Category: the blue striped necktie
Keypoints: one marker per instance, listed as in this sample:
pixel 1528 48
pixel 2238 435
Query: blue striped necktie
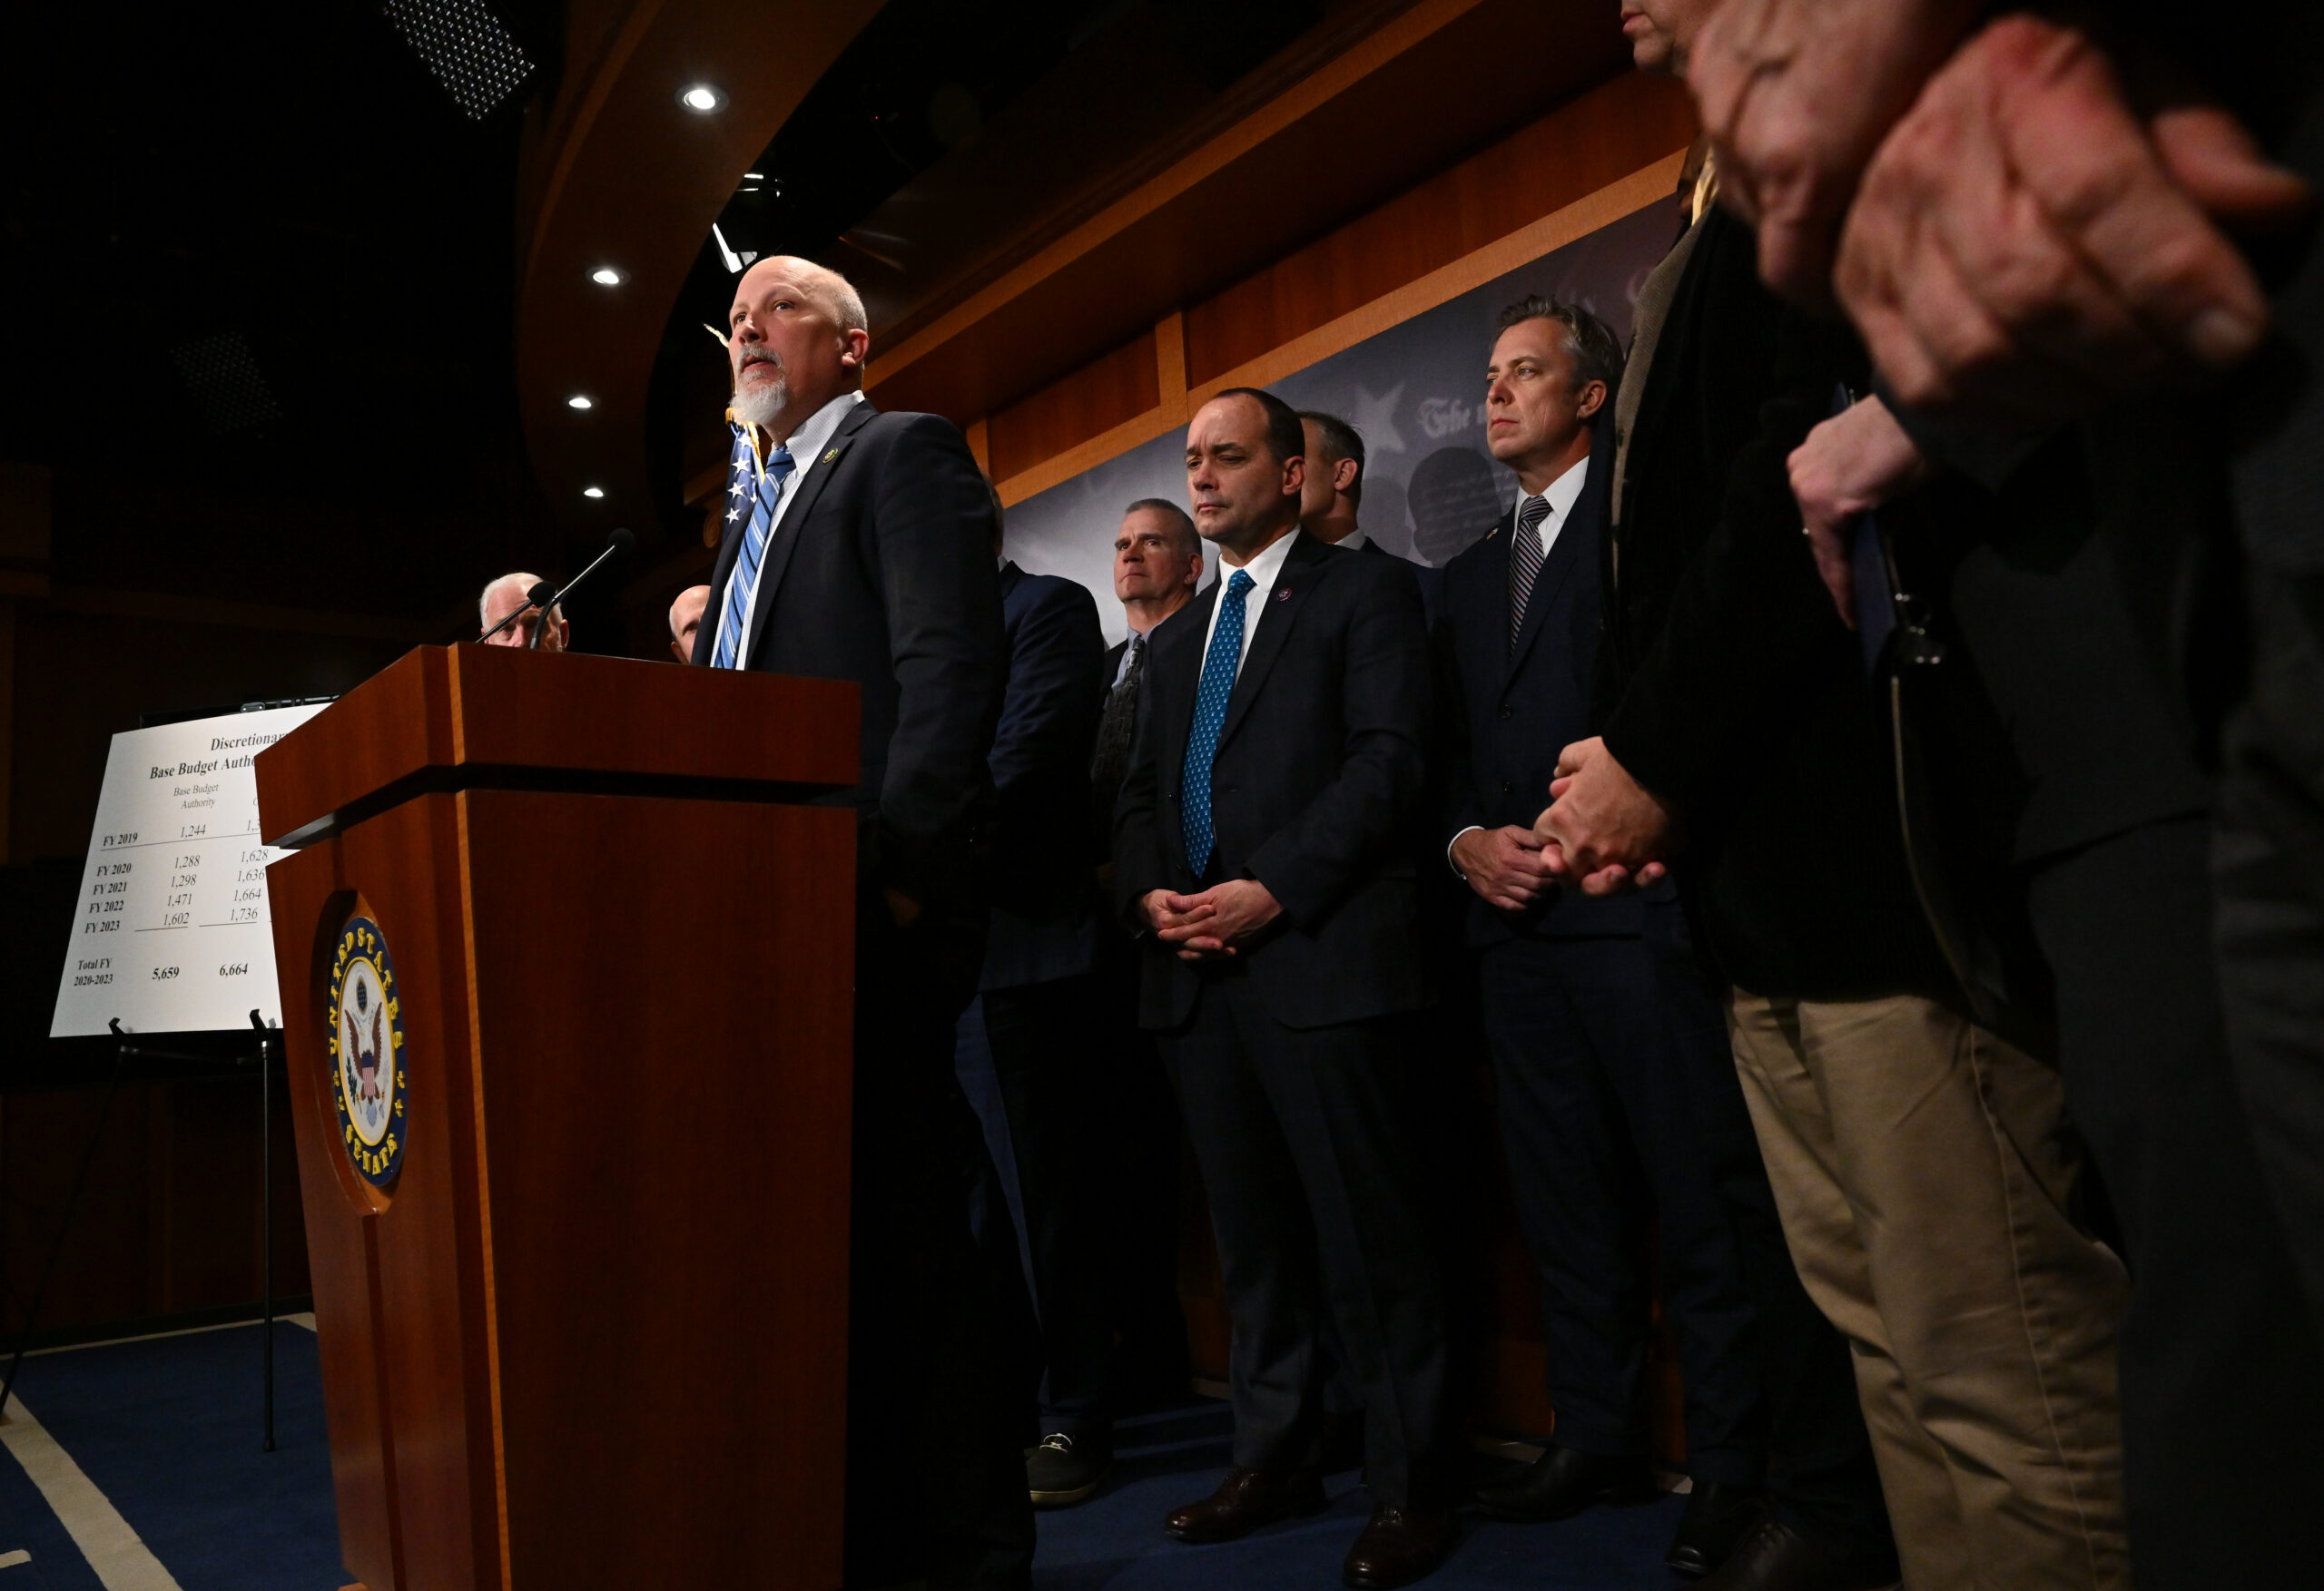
pixel 1219 667
pixel 745 577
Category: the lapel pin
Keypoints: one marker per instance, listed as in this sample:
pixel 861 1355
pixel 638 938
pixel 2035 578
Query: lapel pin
pixel 832 455
pixel 1283 595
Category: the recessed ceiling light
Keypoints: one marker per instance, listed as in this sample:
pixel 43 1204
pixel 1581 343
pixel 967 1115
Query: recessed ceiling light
pixel 577 401
pixel 605 276
pixel 702 97
pixel 593 491
pixel 751 176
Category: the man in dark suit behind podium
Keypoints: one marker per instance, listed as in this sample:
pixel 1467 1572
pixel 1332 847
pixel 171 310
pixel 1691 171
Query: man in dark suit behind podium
pixel 859 546
pixel 1039 999
pixel 1262 837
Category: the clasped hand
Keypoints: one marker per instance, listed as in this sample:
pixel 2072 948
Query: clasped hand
pixel 1603 832
pixel 1506 867
pixel 1214 924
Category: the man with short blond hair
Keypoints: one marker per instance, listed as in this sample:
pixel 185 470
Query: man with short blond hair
pixel 1576 1000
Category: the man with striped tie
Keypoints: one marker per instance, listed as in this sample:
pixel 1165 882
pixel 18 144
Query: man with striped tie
pixel 1592 1082
pixel 1261 845
pixel 857 546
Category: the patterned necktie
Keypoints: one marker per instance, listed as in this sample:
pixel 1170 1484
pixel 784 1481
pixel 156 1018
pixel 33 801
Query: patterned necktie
pixel 1525 563
pixel 1116 728
pixel 745 577
pixel 1218 666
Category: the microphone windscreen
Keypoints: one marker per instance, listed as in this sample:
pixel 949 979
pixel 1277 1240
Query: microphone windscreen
pixel 622 540
pixel 541 595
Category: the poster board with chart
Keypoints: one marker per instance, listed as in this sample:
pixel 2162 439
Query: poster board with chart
pixel 171 932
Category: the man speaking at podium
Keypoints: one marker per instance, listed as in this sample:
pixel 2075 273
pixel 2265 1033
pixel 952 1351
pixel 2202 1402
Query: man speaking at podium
pixel 858 545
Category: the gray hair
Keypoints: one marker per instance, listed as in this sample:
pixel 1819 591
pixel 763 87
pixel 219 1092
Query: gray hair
pixel 1184 536
pixel 524 583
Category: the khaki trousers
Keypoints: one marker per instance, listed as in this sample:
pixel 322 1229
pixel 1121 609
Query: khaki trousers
pixel 1924 1169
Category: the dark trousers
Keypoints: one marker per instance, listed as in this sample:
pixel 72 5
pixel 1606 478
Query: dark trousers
pixel 1301 1143
pixel 1051 1074
pixel 1602 1135
pixel 2222 1379
pixel 935 1471
pixel 1822 1480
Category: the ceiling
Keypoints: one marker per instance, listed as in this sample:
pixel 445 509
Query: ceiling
pixel 292 325
pixel 259 266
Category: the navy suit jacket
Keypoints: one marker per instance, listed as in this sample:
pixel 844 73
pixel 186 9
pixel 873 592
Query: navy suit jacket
pixel 1431 581
pixel 1045 913
pixel 1508 713
pixel 882 573
pixel 1318 778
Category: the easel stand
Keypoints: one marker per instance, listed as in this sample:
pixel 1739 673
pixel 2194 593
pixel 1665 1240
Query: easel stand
pixel 123 1051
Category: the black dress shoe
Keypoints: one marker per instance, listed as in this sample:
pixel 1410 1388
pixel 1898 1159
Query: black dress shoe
pixel 1245 1500
pixel 1064 1470
pixel 1776 1557
pixel 1716 1521
pixel 1561 1483
pixel 1398 1547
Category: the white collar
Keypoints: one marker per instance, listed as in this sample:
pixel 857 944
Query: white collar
pixel 1562 493
pixel 814 431
pixel 1263 568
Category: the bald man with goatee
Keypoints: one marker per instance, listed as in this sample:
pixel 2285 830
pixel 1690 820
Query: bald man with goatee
pixel 858 545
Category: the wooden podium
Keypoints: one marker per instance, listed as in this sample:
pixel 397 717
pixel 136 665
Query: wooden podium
pixel 566 967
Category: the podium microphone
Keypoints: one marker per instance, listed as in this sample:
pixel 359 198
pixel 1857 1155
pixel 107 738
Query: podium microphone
pixel 621 541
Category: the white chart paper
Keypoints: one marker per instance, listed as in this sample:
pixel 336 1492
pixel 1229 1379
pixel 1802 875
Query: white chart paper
pixel 172 934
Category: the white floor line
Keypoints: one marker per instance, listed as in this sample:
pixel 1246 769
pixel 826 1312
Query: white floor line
pixel 122 1561
pixel 307 1321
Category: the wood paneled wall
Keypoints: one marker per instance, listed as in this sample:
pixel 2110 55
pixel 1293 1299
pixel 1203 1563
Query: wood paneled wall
pixel 169 1223
pixel 1590 162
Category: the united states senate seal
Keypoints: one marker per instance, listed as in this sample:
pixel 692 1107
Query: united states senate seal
pixel 366 1074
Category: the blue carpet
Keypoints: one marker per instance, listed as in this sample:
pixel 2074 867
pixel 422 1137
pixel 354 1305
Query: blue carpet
pixel 168 1430
pixel 1114 1541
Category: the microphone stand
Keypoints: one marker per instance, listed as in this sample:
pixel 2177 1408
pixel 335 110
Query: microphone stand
pixel 515 613
pixel 621 541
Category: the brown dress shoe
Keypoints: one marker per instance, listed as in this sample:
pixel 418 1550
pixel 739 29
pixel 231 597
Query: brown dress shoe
pixel 1398 1547
pixel 1245 1500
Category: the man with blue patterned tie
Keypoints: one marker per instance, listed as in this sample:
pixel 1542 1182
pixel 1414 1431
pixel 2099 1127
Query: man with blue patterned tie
pixel 859 546
pixel 1263 846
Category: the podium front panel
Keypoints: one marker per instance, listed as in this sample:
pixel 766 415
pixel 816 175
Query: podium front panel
pixel 594 1330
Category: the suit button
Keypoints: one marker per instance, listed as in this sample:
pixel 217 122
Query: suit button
pixel 1506 787
pixel 1508 711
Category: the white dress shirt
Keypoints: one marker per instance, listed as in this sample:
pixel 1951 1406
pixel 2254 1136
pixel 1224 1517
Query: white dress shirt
pixel 1561 495
pixel 1354 540
pixel 1263 571
pixel 806 446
